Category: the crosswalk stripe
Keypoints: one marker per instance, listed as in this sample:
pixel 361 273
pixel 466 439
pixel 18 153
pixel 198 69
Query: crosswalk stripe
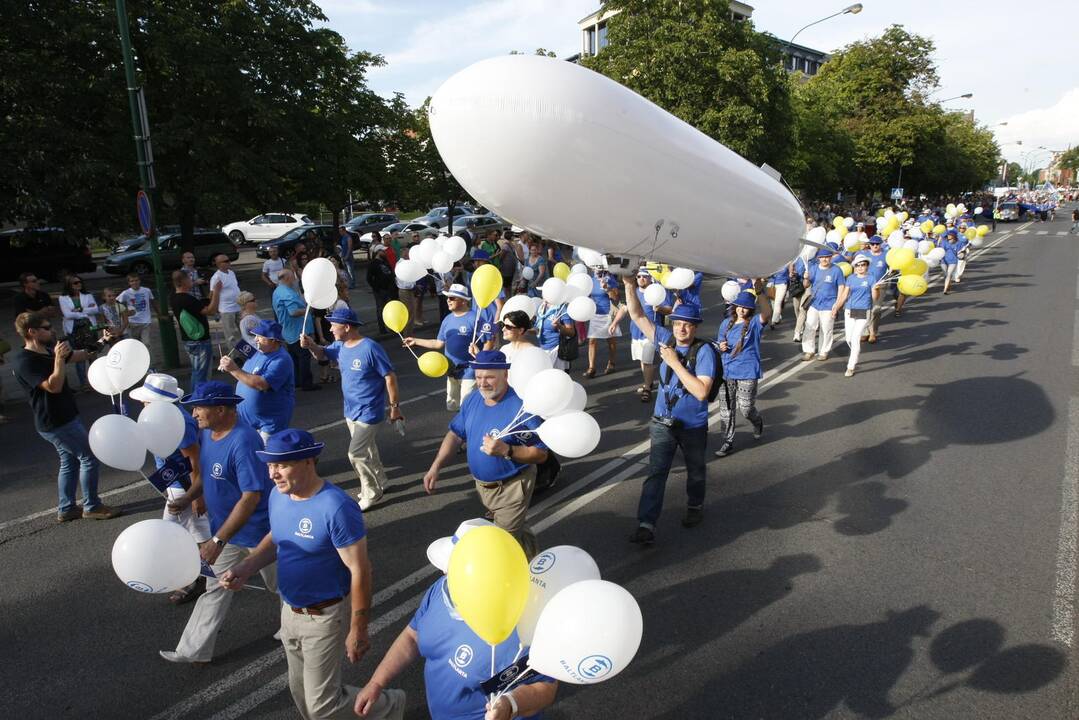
pixel 1062 232
pixel 1022 232
pixel 1042 232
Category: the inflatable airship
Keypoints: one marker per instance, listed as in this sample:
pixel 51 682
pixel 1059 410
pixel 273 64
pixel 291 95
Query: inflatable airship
pixel 574 156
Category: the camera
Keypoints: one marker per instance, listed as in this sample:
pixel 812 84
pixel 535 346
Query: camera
pixel 667 421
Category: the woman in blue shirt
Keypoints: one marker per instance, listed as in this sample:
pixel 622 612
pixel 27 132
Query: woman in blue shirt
pixel 953 245
pixel 777 292
pixel 739 340
pixel 857 295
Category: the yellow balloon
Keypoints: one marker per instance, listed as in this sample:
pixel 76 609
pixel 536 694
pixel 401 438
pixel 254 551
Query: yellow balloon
pixel 983 230
pixel 913 285
pixel 662 277
pixel 838 222
pixel 395 315
pixel 561 271
pixel 489 582
pixel 903 216
pixel 899 257
pixel 927 226
pixel 917 266
pixel 971 233
pixel 950 208
pixel 434 364
pixel 890 226
pixel 939 229
pixel 842 232
pixel 486 284
pixel 845 267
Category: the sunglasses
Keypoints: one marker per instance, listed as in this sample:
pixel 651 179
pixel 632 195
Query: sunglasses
pixel 507 326
pixel 43 327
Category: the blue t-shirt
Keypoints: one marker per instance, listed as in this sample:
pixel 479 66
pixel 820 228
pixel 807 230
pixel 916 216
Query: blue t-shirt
pixel 692 294
pixel 877 266
pixel 307 534
pixel 457 659
pixel 825 284
pixel 861 292
pixel 269 410
pixel 692 412
pixel 599 296
pixel 951 252
pixel 287 300
pixel 456 331
pixel 746 365
pixel 649 312
pixel 476 419
pixel 191 436
pixel 230 467
pixel 546 320
pixel 364 368
pixel 539 266
pixel 782 277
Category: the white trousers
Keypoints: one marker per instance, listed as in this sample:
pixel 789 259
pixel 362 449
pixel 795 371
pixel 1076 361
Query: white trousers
pixel 363 454
pixel 777 303
pixel 853 330
pixel 198 526
pixel 960 267
pixel 818 319
pixel 457 389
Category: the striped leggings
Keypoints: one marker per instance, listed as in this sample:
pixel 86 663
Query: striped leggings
pixel 742 393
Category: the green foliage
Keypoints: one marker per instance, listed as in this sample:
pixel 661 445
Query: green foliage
pixel 1070 159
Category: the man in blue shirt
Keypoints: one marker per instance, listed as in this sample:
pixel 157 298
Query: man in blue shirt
pixel 824 280
pixel 290 308
pixel 265 382
pixel 504 468
pixel 319 541
pixel 680 417
pixel 237 490
pixel 367 381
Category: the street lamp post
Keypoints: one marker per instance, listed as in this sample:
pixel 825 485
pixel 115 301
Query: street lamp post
pixel 964 96
pixel 849 10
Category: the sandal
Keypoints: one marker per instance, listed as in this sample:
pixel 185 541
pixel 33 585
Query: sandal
pixel 609 369
pixel 646 395
pixel 641 389
pixel 589 373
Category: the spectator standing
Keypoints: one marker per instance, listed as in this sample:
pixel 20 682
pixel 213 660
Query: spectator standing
pixel 32 298
pixel 344 250
pixel 198 282
pixel 290 309
pixel 141 301
pixel 79 310
pixel 191 315
pixel 226 304
pixel 272 267
pixel 113 314
pixel 382 281
pixel 249 317
pixel 265 382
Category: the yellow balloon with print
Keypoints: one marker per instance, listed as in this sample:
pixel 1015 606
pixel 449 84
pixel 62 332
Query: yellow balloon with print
pixel 899 257
pixel 434 364
pixel 938 229
pixel 395 315
pixel 561 271
pixel 917 266
pixel 983 230
pixel 913 285
pixel 486 284
pixel 845 267
pixel 927 226
pixel 489 581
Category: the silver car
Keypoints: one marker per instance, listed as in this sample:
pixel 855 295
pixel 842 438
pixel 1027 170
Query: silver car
pixel 478 224
pixel 403 228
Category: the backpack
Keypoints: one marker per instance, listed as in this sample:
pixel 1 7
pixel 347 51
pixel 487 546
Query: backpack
pixel 691 365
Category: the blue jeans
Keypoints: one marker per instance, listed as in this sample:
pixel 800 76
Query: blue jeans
pixel 348 266
pixel 201 353
pixel 77 463
pixel 665 440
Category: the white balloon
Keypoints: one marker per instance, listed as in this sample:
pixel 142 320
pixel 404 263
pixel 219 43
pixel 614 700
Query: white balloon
pixel 420 255
pixel 429 245
pixel 916 233
pixel 547 393
pixel 896 239
pixel 852 241
pixel 730 290
pixel 441 262
pixel 937 252
pixel 518 302
pixel 578 400
pixel 455 247
pixel 537 303
pixel 99 377
pixel 317 275
pixel 960 209
pixel 849 222
pixel 581 309
pixel 977 241
pixel 578 269
pixel 526 363
pixel 552 571
pixel 156 556
pixel 320 297
pixel 978 210
pixel 127 362
pixel 911 244
pixel 116 441
pixel 408 270
pixel 513 117
pixel 818 234
pixel 590 257
pixel 527 273
pixel 924 247
pixel 655 294
pixel 581 282
pixel 162 427
pixel 832 236
pixel 553 290
pixel 587 633
pixel 571 293
pixel 679 279
pixel 570 435
pixel 931 260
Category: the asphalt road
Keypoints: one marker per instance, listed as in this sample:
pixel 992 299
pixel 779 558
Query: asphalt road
pixel 899 544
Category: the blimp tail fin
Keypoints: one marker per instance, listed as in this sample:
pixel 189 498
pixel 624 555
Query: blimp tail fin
pixel 772 172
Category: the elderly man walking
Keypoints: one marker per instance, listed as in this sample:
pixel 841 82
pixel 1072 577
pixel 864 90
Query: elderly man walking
pixel 504 469
pixel 318 538
pixel 265 382
pixel 367 382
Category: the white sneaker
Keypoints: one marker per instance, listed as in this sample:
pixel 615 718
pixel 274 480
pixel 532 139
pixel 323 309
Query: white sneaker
pixel 277 635
pixel 175 657
pixel 849 373
pixel 366 502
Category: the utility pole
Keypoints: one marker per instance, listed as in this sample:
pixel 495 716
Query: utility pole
pixel 141 125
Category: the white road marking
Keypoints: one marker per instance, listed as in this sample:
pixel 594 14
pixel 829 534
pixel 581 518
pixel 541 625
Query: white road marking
pixel 1042 232
pixel 1022 232
pixel 1062 232
pixel 1063 623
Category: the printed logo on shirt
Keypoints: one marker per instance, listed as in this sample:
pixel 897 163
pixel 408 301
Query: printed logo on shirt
pixel 356 363
pixel 462 656
pixel 305 529
pixel 463 330
pixel 486 328
pixel 217 471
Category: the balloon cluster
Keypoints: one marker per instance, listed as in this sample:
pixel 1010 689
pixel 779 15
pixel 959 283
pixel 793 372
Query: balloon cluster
pixel 432 363
pixel 581 629
pixel 438 254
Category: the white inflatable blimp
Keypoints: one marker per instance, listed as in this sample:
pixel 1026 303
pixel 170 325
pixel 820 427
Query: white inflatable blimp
pixel 572 155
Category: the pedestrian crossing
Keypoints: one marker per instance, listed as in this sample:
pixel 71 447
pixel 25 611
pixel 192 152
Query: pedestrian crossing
pixel 1040 232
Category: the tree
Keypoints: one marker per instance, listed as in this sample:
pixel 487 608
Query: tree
pixel 691 59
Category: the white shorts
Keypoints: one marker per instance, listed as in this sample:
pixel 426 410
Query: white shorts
pixel 197 525
pixel 599 328
pixel 643 350
pixel 556 363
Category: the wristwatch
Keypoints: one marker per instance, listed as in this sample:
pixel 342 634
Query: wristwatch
pixel 218 541
pixel 509 452
pixel 395 405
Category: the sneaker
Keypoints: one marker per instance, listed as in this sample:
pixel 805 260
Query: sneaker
pixel 643 536
pixel 725 450
pixel 367 502
pixel 758 429
pixel 693 517
pixel 806 357
pixel 68 515
pixel 797 338
pixel 849 373
pixel 102 512
pixel 822 356
pixel 175 657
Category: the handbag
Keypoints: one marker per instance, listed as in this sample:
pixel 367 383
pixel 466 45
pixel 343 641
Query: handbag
pixel 568 349
pixel 796 286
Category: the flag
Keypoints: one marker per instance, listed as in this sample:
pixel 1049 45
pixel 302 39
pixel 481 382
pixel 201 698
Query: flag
pixel 246 349
pixel 207 570
pixel 175 468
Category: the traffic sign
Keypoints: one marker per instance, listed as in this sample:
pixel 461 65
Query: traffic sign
pixel 897 193
pixel 142 206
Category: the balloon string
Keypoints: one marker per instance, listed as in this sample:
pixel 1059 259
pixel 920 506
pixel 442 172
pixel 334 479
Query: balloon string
pixel 307 312
pixel 492 663
pixel 518 423
pixel 408 347
pixel 513 420
pixel 516 432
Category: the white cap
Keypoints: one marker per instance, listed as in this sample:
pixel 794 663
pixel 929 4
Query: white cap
pixel 439 551
pixel 158 387
pixel 457 290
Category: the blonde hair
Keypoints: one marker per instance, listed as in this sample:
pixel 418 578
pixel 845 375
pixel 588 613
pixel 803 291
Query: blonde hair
pixel 244 298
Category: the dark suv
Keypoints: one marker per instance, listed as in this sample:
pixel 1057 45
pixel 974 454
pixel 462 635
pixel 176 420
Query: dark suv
pixel 133 255
pixel 369 222
pixel 327 234
pixel 49 253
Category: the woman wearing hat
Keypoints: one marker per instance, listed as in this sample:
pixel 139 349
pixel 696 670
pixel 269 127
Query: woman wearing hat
pixel 739 342
pixel 857 295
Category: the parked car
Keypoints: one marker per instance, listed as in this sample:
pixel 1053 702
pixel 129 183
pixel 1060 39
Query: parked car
pixel 263 227
pixel 286 243
pixel 46 252
pixel 369 222
pixel 403 228
pixel 477 224
pixel 133 254
pixel 439 217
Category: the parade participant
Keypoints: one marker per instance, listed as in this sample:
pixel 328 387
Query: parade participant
pixel 878 267
pixel 191 313
pixel 455 340
pixel 856 295
pixel 367 381
pixel 551 323
pixel 953 244
pixel 739 341
pixel 824 279
pixel 318 539
pixel 237 491
pixel 692 294
pixel 600 326
pixel 488 315
pixel 643 348
pixel 41 370
pixel 265 381
pixel 686 372
pixel 291 311
pixel 515 326
pixel 801 302
pixel 183 496
pixel 230 289
pixel 504 468
pixel 777 293
pixel 272 267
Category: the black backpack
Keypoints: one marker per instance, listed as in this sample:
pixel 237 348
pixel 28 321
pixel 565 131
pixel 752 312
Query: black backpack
pixel 691 365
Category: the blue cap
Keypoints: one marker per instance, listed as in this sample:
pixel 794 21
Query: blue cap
pixel 876 240
pixel 686 312
pixel 745 299
pixel 951 231
pixel 481 255
pixel 344 316
pixel 824 252
pixel 490 360
pixel 290 444
pixel 268 329
pixel 212 392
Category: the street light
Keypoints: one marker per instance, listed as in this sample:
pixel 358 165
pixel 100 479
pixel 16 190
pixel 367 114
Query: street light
pixel 964 96
pixel 849 10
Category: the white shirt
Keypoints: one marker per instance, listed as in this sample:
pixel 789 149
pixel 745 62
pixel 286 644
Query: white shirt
pixel 230 288
pixel 273 268
pixel 139 302
pixel 67 307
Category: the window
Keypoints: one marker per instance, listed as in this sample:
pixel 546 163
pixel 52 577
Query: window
pixel 590 41
pixel 602 38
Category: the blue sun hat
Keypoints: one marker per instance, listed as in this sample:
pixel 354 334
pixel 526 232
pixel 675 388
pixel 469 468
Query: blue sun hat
pixel 290 444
